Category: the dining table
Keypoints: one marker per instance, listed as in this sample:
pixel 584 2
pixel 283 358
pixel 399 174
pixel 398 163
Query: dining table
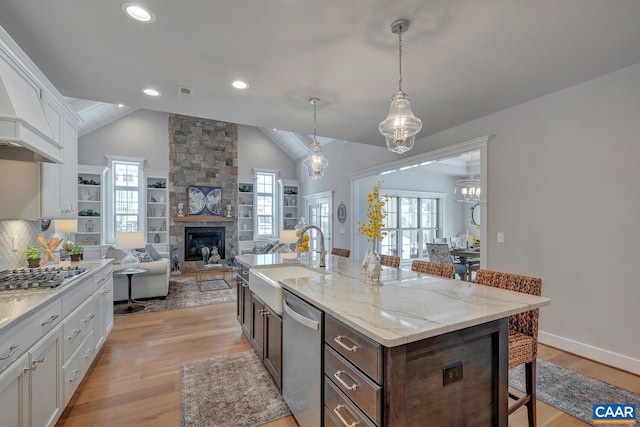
pixel 468 257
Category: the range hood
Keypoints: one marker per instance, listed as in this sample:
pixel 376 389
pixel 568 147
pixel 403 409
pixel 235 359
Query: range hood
pixel 25 133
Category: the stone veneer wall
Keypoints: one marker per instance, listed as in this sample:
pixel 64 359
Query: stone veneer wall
pixel 201 152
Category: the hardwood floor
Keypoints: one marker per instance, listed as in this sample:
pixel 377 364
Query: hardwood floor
pixel 135 380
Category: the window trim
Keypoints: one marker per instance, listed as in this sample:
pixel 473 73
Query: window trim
pixel 275 204
pixel 109 209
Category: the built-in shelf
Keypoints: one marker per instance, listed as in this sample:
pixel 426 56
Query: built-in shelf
pixel 203 218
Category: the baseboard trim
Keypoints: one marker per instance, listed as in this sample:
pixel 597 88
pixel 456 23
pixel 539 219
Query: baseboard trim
pixel 597 354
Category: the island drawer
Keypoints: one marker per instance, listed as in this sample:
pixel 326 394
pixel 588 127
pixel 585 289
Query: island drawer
pixel 102 277
pixel 17 340
pixel 341 409
pixel 357 386
pixel 364 353
pixel 77 326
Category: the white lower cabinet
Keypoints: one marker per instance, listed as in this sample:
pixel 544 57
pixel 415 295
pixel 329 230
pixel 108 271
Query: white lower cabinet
pixel 45 391
pixel 14 394
pixel 49 352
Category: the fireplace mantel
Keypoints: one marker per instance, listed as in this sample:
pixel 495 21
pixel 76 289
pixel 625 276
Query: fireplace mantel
pixel 203 218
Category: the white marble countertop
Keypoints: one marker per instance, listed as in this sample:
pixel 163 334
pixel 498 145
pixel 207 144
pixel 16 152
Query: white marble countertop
pixel 15 305
pixel 407 307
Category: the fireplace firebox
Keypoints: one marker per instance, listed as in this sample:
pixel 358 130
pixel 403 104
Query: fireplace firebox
pixel 196 238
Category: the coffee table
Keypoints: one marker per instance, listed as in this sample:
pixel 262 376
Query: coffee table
pixel 211 273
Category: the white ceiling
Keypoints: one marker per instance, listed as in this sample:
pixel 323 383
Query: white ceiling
pixel 462 59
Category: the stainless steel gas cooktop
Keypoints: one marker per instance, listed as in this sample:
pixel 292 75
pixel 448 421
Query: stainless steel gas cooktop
pixel 38 278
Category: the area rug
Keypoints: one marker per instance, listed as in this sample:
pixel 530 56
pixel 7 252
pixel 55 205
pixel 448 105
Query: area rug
pixel 229 390
pixel 184 293
pixel 570 391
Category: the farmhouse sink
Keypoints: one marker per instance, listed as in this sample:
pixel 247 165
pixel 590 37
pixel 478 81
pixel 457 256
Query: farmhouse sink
pixel 264 282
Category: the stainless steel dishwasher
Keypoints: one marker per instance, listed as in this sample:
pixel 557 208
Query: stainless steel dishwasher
pixel 302 360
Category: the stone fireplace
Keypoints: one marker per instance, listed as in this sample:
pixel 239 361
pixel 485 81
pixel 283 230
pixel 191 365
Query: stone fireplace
pixel 202 152
pixel 196 238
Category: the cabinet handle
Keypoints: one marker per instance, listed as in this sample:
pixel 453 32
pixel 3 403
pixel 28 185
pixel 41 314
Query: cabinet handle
pixel 12 349
pixel 89 318
pixel 89 353
pixel 101 280
pixel 75 377
pixel 352 387
pixel 76 332
pixel 339 339
pixel 51 319
pixel 245 284
pixel 336 411
pixel 34 362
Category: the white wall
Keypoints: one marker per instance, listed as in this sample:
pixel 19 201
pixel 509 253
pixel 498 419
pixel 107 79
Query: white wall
pixel 562 185
pixel 143 133
pixel 256 150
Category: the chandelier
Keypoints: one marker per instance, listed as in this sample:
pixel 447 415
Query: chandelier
pixel 468 190
pixel 401 126
pixel 315 162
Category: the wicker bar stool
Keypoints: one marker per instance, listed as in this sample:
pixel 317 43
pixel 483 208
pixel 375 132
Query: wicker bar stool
pixel 523 334
pixel 390 260
pixel 341 252
pixel 432 268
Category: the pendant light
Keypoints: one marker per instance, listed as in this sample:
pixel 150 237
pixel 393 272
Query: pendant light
pixel 468 190
pixel 401 126
pixel 315 162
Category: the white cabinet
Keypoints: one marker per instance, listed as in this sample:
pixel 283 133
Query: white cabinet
pixel 59 195
pixel 157 210
pixel 14 390
pixel 103 300
pixel 44 370
pixel 245 214
pixel 289 203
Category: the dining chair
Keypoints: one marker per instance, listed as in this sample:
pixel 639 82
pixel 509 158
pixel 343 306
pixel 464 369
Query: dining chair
pixel 523 334
pixel 439 252
pixel 341 252
pixel 390 260
pixel 432 268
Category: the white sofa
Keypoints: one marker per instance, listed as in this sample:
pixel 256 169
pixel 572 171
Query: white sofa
pixel 151 284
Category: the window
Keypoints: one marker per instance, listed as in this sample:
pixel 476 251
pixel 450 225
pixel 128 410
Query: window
pixel 125 197
pixel 411 222
pixel 265 204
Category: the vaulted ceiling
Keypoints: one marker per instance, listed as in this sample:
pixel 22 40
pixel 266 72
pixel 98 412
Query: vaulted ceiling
pixel 462 59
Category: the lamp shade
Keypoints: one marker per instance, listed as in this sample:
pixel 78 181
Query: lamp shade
pixel 288 236
pixel 67 225
pixel 130 240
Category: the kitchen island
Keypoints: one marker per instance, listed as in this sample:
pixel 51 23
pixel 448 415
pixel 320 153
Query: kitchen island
pixel 431 351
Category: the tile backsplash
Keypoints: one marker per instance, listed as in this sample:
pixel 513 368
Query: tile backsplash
pixel 26 233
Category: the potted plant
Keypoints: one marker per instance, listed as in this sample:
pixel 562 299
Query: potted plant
pixel 75 252
pixel 33 256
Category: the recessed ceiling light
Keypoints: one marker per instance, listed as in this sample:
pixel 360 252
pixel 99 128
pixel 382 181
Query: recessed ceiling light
pixel 137 12
pixel 120 105
pixel 151 92
pixel 238 84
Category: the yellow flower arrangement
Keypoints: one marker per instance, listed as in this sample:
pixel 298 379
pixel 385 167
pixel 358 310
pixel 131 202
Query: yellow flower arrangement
pixel 376 213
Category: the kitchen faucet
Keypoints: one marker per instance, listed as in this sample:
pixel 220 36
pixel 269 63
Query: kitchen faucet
pixel 323 253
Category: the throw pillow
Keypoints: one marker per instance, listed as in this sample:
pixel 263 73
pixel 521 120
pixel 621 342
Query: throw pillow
pixel 153 253
pixel 142 256
pixel 116 254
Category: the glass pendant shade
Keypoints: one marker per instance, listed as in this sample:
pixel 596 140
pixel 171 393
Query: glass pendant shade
pixel 316 162
pixel 401 126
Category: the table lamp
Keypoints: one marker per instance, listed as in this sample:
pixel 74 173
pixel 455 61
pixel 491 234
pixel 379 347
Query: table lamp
pixel 67 226
pixel 287 237
pixel 130 240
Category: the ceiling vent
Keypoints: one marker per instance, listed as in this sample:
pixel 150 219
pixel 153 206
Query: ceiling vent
pixel 185 92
